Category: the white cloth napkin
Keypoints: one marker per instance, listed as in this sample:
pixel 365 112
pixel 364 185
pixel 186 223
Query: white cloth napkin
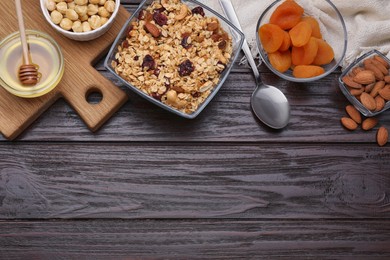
pixel 367 22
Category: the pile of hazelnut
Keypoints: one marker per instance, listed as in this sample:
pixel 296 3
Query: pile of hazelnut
pixel 80 15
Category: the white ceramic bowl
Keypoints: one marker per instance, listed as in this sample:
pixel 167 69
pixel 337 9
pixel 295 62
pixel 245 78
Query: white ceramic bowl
pixel 83 36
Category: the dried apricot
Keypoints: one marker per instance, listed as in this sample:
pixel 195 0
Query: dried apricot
pixel 307 71
pixel 305 55
pixel 310 50
pixel 281 61
pixel 286 42
pixel 325 53
pixel 271 37
pixel 287 15
pixel 300 34
pixel 316 31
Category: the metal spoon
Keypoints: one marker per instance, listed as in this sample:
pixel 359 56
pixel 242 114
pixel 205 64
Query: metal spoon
pixel 269 104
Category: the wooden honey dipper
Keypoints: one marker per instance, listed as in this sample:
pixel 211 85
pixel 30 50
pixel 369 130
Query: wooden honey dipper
pixel 28 72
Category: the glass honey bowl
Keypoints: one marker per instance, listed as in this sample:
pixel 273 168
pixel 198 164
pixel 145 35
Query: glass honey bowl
pixel 45 52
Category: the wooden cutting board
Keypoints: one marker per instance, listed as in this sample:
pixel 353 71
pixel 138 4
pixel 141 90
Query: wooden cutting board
pixel 80 77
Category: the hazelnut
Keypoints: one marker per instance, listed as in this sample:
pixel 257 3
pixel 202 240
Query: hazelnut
pixel 102 2
pixel 71 5
pixel 81 2
pixel 77 27
pixel 92 9
pixel 94 21
pixel 51 5
pixel 81 10
pixel 103 12
pixel 62 7
pixel 86 27
pixel 66 24
pixel 110 6
pixel 103 20
pixel 84 18
pixel 71 14
pixel 94 2
pixel 56 17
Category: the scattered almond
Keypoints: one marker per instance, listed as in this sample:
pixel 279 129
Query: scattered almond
pixel 369 123
pixel 382 136
pixel 368 101
pixel 348 123
pixel 354 113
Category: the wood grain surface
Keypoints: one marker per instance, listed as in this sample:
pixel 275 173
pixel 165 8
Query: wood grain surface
pixel 80 77
pixel 195 239
pixel 151 185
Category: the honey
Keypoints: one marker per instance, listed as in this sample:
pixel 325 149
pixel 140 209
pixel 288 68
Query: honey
pixel 44 52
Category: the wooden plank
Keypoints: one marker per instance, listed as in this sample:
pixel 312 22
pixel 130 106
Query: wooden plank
pixel 187 180
pixel 193 239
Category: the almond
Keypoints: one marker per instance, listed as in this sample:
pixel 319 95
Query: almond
pixel 356 92
pixel 350 83
pixel 385 93
pixel 381 60
pixel 369 123
pixel 387 79
pixel 354 113
pixel 212 26
pixel 380 66
pixel 348 123
pixel 356 70
pixel 382 136
pixel 378 86
pixel 368 88
pixel 380 103
pixel 364 77
pixel 377 72
pixel 152 29
pixel 368 101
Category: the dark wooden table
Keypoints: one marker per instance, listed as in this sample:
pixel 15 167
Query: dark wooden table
pixel 152 185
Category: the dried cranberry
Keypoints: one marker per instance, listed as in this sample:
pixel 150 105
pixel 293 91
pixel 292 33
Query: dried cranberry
pixel 196 94
pixel 141 15
pixel 148 62
pixel 185 68
pixel 160 10
pixel 222 45
pixel 156 72
pixel 156 96
pixel 198 10
pixel 129 30
pixel 160 18
pixel 125 44
pixel 184 43
pixel 136 58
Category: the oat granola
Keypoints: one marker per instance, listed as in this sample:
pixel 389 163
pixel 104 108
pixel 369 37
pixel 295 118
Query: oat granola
pixel 174 54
